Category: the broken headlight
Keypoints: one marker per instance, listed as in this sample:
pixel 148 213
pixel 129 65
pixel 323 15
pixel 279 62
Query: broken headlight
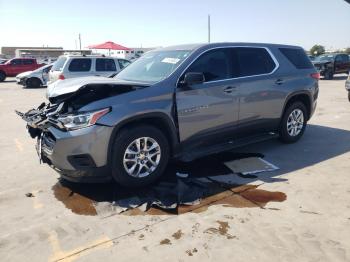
pixel 81 120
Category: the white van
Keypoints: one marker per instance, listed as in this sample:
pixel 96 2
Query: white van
pixel 71 66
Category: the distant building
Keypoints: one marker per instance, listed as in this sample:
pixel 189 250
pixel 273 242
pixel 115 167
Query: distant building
pixel 40 53
pixel 134 52
pixel 130 54
pixel 10 51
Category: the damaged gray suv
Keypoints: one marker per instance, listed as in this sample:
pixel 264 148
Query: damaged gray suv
pixel 180 102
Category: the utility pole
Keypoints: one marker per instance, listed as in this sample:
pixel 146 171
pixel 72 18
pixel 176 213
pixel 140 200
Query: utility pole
pixel 79 42
pixel 208 28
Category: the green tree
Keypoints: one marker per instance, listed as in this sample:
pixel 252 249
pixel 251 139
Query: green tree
pixel 317 50
pixel 347 50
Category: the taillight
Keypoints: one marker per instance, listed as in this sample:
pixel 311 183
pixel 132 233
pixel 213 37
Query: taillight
pixel 61 76
pixel 315 76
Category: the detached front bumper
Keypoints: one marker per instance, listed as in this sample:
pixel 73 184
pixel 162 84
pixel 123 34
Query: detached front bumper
pixel 78 156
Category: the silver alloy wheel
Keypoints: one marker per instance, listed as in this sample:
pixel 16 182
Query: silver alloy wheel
pixel 295 122
pixel 141 157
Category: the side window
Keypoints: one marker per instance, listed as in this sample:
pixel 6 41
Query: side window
pixel 297 57
pixel 16 62
pixel 344 58
pixel 47 69
pixel 254 61
pixel 338 58
pixel 28 61
pixel 214 64
pixel 80 65
pixel 123 63
pixel 104 64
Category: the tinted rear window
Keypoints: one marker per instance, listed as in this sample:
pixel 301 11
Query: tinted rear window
pixel 58 65
pixel 297 57
pixel 105 64
pixel 253 61
pixel 80 65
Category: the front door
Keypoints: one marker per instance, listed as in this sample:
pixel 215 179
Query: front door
pixel 208 112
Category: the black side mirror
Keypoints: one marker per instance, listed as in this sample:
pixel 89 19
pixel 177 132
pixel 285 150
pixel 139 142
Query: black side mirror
pixel 192 78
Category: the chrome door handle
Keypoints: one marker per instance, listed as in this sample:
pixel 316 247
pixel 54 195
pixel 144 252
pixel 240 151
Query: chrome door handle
pixel 229 89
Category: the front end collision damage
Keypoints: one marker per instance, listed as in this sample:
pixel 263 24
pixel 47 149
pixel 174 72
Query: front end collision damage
pixel 48 124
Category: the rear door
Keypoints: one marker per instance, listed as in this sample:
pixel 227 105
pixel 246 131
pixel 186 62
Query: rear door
pixel 105 67
pixel 258 88
pixel 342 63
pixel 28 64
pixel 208 112
pixel 78 67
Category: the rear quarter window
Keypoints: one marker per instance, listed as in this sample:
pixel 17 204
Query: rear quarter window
pixel 80 65
pixel 58 65
pixel 297 57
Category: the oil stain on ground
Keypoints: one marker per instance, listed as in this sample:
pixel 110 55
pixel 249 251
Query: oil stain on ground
pixel 191 194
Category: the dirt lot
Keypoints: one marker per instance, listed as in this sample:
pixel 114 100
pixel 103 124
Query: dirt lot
pixel 299 213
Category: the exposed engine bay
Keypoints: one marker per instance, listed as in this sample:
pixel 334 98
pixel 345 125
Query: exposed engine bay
pixel 65 108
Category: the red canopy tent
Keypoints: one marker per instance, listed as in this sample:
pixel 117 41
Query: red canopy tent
pixel 110 46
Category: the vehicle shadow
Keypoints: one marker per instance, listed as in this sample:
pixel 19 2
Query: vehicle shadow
pixel 319 144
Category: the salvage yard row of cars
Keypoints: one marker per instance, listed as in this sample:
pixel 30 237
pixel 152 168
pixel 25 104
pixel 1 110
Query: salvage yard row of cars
pixel 106 119
pixel 31 74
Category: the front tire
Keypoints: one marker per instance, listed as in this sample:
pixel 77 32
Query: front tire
pixel 140 155
pixel 33 83
pixel 293 123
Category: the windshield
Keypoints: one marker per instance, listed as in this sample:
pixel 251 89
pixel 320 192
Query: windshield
pixel 153 66
pixel 324 58
pixel 58 65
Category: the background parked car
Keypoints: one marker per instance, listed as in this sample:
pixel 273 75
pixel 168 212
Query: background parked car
pixel 36 78
pixel 330 64
pixel 71 66
pixel 347 86
pixel 16 66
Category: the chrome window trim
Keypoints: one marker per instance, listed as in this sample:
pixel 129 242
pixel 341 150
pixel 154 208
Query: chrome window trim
pixel 277 65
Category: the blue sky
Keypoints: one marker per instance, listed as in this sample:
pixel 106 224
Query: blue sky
pixel 160 23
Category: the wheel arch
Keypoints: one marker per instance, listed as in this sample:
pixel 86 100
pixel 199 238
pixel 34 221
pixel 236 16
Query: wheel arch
pixel 158 120
pixel 301 96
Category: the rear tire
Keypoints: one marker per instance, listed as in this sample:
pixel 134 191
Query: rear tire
pixel 293 123
pixel 146 165
pixel 2 76
pixel 33 82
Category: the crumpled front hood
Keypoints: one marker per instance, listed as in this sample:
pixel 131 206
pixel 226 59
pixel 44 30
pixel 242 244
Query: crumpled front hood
pixel 62 87
pixel 24 74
